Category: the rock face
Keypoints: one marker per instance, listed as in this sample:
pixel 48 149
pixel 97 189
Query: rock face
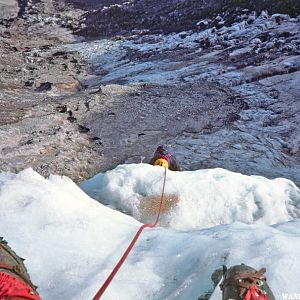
pixel 33 131
pixel 8 9
pixel 136 119
pixel 254 59
pixel 216 80
pixel 153 16
pixel 36 80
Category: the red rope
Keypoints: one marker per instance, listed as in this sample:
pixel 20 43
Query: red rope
pixel 131 245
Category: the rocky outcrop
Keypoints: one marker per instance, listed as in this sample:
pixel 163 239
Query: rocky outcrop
pixel 218 85
pixel 8 9
pixel 37 79
pixel 57 119
pixel 148 16
pixel 256 59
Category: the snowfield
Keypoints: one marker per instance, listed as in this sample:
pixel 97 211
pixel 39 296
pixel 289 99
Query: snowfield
pixel 71 242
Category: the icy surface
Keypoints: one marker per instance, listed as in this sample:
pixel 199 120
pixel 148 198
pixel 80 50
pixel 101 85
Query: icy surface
pixel 257 59
pixel 71 242
pixel 205 198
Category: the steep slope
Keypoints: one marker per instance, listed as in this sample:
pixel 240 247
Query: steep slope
pixel 71 242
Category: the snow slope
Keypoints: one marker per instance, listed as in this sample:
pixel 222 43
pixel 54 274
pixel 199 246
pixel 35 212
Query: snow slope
pixel 206 197
pixel 72 242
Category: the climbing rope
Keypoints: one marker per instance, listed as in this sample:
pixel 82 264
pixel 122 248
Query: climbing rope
pixel 131 245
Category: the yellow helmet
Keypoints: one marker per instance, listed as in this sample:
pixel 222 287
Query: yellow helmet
pixel 162 162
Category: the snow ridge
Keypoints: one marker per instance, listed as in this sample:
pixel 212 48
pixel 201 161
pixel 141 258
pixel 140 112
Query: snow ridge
pixel 71 242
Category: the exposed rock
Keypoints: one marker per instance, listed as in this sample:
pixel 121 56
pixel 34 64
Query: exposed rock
pixel 8 9
pixel 261 140
pixel 153 16
pixel 69 86
pixel 43 87
pixel 131 124
pixel 222 87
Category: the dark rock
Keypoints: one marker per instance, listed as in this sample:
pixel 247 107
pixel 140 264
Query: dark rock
pixel 173 15
pixel 83 129
pixel 71 119
pixel 62 109
pixel 44 87
pixel 5 34
pixel 28 83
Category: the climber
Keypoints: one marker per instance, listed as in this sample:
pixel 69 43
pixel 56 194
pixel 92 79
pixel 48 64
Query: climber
pixel 15 283
pixel 164 157
pixel 242 282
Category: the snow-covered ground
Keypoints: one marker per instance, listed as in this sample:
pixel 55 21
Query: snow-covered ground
pixel 71 242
